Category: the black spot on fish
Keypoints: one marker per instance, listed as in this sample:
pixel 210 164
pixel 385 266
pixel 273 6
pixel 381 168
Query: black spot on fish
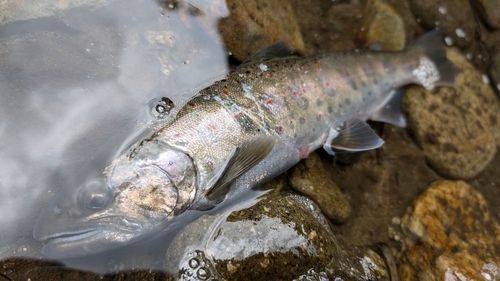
pixel 347 101
pixel 294 135
pixel 331 92
pixel 330 109
pixel 375 81
pixel 353 84
pixel 302 120
pixel 319 103
pixel 369 93
pixel 363 83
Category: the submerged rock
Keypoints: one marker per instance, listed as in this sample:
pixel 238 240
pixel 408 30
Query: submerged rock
pixel 283 237
pixel 310 178
pixel 382 24
pixel 457 128
pixel 253 25
pixel 489 11
pixel 450 235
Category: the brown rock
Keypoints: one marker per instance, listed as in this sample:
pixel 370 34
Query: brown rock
pixel 490 11
pixel 453 17
pixel 309 178
pixel 450 233
pixel 495 72
pixel 382 24
pixel 457 128
pixel 254 25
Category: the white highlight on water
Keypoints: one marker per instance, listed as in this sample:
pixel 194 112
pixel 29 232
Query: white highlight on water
pixel 460 32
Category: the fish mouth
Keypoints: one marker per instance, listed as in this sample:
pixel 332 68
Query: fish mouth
pixel 85 242
pixel 74 236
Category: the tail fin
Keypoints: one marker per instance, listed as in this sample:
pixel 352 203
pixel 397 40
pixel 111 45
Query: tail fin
pixel 432 47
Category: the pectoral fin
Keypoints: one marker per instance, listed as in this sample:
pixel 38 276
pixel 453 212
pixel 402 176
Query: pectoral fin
pixel 353 135
pixel 391 111
pixel 242 159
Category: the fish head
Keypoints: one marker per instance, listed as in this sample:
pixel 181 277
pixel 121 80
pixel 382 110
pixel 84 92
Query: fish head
pixel 136 196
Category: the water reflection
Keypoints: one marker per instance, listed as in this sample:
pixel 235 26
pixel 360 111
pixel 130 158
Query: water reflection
pixel 76 86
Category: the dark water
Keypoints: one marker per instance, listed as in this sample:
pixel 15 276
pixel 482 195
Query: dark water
pixel 77 86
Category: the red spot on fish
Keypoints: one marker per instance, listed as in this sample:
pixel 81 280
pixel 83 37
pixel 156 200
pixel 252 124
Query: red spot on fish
pixel 270 102
pixel 327 84
pixel 226 92
pixel 249 107
pixel 315 86
pixel 318 68
pixel 211 163
pixel 337 79
pixel 211 127
pixel 299 68
pixel 191 104
pixel 177 134
pixel 303 152
pixel 239 83
pixel 291 122
pixel 368 68
pixel 270 75
pixel 304 91
pixel 280 129
pixel 320 115
pixel 295 94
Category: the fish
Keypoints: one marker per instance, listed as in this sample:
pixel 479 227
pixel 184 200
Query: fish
pixel 238 133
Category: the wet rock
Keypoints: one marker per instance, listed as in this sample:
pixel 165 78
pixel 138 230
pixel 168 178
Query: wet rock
pixel 380 185
pixel 489 11
pixel 35 269
pixel 454 18
pixel 495 72
pixel 382 24
pixel 457 128
pixel 310 178
pixel 450 235
pixel 254 25
pixel 283 237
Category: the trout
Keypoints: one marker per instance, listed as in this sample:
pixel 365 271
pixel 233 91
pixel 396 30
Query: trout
pixel 239 132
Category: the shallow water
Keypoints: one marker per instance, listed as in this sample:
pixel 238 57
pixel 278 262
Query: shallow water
pixel 77 84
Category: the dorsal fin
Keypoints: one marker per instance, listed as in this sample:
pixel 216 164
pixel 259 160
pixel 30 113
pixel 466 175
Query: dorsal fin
pixel 276 50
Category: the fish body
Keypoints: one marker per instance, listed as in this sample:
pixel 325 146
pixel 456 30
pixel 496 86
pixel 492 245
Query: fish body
pixel 240 132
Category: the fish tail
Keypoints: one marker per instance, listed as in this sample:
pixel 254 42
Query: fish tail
pixel 431 46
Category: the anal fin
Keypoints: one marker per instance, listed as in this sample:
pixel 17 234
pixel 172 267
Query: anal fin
pixel 390 112
pixel 353 135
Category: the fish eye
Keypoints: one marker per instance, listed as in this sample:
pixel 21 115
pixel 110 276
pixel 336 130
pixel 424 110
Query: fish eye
pixel 94 196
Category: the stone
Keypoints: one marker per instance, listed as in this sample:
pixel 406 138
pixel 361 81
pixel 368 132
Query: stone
pixel 457 127
pixel 495 72
pixel 453 18
pixel 310 178
pixel 282 237
pixel 382 24
pixel 450 235
pixel 489 11
pixel 253 25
